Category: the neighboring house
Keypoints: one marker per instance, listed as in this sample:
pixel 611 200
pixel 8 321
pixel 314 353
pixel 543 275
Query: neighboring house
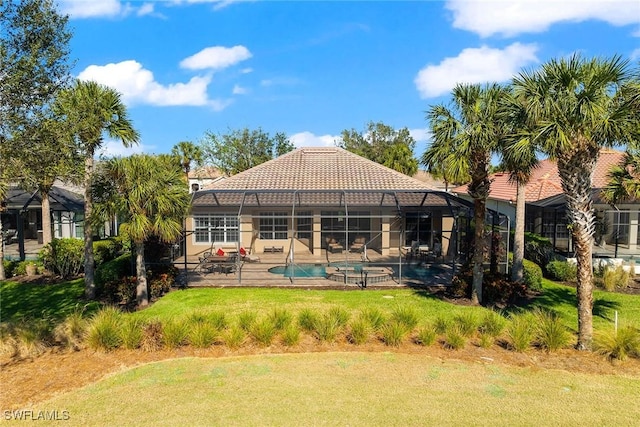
pixel 200 178
pixel 323 200
pixel 617 226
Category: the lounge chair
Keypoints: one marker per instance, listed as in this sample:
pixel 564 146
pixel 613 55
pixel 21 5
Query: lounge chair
pixel 358 244
pixel 334 246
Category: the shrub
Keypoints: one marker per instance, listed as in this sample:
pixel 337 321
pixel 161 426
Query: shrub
pixel 8 342
pixel 454 338
pixel 532 275
pixel 33 336
pixel 121 291
pixel 131 332
pixel 281 318
pixel 359 331
pixel 614 278
pixel 151 336
pixel 375 317
pixel 106 250
pixel 103 332
pixel 202 334
pixel 9 267
pixel 426 335
pixel 561 271
pixel 393 333
pixel 467 323
pixel 291 335
pixel 246 319
pixel 307 319
pixel 64 257
pixel 174 333
pixel 327 327
pixel 520 332
pixel 263 331
pixel 407 316
pixel 159 284
pixel 620 345
pixel 21 267
pixel 486 340
pixel 441 324
pixel 234 337
pixel 71 332
pixel 340 315
pixel 492 324
pixel 538 249
pixel 551 333
pixel 218 319
pixel 114 270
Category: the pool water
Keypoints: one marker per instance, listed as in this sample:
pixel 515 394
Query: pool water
pixel 300 270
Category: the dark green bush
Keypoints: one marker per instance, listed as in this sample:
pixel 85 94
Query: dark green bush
pixel 64 257
pixel 561 270
pixel 113 270
pixel 532 275
pixel 120 292
pixel 9 267
pixel 538 249
pixel 106 250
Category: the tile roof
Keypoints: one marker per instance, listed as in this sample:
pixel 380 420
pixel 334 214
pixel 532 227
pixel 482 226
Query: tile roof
pixel 545 181
pixel 320 168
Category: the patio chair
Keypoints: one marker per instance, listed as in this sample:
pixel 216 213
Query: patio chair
pixel 334 246
pixel 358 244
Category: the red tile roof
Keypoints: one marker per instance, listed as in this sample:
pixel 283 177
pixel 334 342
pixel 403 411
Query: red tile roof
pixel 545 180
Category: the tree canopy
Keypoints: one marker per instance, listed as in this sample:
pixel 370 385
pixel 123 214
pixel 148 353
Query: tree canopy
pixel 239 150
pixel 383 144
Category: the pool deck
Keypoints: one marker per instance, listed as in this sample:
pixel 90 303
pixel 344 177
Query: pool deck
pixel 256 274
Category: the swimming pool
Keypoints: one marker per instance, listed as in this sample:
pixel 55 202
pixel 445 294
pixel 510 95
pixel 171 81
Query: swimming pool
pixel 300 270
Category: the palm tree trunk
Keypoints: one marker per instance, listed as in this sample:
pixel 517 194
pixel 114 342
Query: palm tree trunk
pixel 46 217
pixel 89 282
pixel 142 290
pixel 517 270
pixel 478 251
pixel 575 172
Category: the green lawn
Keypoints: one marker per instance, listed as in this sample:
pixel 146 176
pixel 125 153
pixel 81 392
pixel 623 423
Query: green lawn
pixel 38 301
pixel 360 389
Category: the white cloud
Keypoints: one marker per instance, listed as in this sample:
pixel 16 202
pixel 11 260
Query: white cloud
pixel 216 58
pixel 138 85
pixel 474 65
pixel 217 4
pixel 420 134
pixel 635 55
pixel 114 148
pixel 146 9
pixel 308 139
pixel 89 9
pixel 246 70
pixel 239 90
pixel 509 18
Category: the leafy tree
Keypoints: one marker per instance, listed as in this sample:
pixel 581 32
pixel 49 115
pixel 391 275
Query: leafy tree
pixel 383 144
pixel 187 153
pixel 465 136
pixel 577 107
pixel 624 179
pixel 91 110
pixel 150 194
pixel 239 150
pixel 34 54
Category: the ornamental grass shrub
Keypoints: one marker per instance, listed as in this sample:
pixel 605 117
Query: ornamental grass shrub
pixel 550 332
pixel 103 332
pixel 393 333
pixel 618 345
pixel 359 331
pixel 426 335
pixel 174 333
pixel 264 331
pixel 520 332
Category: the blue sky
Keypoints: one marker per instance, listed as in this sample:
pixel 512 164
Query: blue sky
pixel 313 69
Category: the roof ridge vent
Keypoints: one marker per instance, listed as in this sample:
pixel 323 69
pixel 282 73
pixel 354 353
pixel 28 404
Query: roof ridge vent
pixel 319 150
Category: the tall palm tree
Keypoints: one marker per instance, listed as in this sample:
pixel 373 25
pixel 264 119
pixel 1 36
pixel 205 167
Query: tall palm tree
pixel 187 153
pixel 577 107
pixel 464 138
pixel 92 110
pixel 149 193
pixel 519 159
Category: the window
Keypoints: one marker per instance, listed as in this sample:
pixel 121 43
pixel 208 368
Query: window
pixel 554 225
pixel 304 225
pixel 274 225
pixel 212 228
pixel 78 221
pixel 621 221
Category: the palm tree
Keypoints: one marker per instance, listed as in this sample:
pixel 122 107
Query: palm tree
pixel 624 179
pixel 576 108
pixel 92 110
pixel 187 152
pixel 149 193
pixel 464 138
pixel 519 159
